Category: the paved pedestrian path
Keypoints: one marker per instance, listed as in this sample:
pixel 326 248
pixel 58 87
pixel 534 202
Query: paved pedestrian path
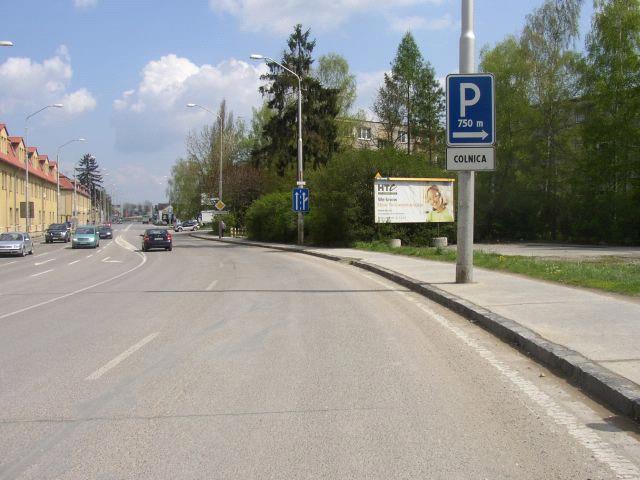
pixel 603 328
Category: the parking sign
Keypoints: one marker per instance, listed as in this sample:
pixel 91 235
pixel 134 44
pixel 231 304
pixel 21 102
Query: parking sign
pixel 471 110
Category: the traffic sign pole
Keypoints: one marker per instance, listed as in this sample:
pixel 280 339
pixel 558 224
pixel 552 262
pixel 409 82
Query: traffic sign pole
pixel 466 179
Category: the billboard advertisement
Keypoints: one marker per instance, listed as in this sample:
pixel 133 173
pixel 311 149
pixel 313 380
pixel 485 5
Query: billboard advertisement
pixel 413 200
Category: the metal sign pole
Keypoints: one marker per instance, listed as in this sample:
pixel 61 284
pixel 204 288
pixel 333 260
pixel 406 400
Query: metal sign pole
pixel 466 179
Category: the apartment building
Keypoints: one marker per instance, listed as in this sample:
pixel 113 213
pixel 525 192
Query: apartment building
pixel 15 158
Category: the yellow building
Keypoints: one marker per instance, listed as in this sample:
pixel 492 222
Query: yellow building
pixel 75 203
pixel 42 186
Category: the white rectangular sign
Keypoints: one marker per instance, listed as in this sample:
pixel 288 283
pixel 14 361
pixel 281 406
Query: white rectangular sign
pixel 413 200
pixel 470 158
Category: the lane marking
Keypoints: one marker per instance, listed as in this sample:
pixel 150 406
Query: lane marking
pixel 128 227
pixel 80 290
pixel 9 263
pixel 104 369
pixel 37 264
pixel 41 273
pixel 75 261
pixel 89 256
pixel 585 436
pixel 106 260
pixel 211 285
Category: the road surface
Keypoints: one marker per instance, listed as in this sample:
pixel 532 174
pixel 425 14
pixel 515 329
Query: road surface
pixel 225 361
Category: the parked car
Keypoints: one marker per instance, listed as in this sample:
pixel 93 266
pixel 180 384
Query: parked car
pixel 16 243
pixel 156 238
pixel 188 226
pixel 104 231
pixel 86 236
pixel 57 231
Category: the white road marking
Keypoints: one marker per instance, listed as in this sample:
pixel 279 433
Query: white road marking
pixel 211 285
pixel 128 227
pixel 89 256
pixel 124 244
pixel 75 261
pixel 37 264
pixel 106 260
pixel 41 273
pixel 589 439
pixel 9 263
pixel 75 292
pixel 102 370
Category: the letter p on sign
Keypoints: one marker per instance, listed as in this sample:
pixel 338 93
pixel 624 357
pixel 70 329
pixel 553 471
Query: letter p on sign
pixel 468 102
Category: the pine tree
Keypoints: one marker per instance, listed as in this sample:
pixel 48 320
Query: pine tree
pixel 88 173
pixel 319 110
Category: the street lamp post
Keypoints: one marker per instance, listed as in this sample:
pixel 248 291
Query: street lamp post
pixel 58 175
pixel 300 181
pixel 26 146
pixel 195 105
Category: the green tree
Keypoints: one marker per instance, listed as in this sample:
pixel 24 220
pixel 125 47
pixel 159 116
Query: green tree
pixel 608 176
pixel 429 111
pixel 388 106
pixel 506 197
pixel 548 35
pixel 319 109
pixel 88 173
pixel 333 73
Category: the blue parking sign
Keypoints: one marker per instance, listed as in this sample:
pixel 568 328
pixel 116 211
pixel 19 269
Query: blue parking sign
pixel 300 200
pixel 471 119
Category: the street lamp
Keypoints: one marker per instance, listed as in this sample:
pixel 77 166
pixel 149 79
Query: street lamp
pixel 300 181
pixel 6 43
pixel 26 146
pixel 58 176
pixel 195 105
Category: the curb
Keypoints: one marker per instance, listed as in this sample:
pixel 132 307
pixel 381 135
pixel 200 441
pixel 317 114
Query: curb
pixel 612 389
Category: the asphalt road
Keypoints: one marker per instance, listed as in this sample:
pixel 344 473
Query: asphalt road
pixel 224 361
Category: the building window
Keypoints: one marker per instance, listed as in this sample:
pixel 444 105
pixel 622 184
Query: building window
pixel 579 117
pixel 383 143
pixel 364 133
pixel 402 137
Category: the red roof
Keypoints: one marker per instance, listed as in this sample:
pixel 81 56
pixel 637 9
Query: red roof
pixel 67 184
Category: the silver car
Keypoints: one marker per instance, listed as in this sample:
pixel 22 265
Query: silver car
pixel 16 243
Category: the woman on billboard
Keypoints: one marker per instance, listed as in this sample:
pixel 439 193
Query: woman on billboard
pixel 439 212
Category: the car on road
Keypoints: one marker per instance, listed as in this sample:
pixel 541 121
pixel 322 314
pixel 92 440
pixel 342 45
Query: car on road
pixel 104 231
pixel 57 232
pixel 188 226
pixel 86 236
pixel 156 238
pixel 16 243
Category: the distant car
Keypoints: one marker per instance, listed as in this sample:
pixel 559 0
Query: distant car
pixel 16 243
pixel 57 232
pixel 104 231
pixel 145 219
pixel 86 236
pixel 188 226
pixel 156 238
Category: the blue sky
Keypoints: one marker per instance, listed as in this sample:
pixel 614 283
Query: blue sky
pixel 126 68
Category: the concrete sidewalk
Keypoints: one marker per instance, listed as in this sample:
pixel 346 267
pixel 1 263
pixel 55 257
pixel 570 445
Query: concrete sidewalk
pixel 592 338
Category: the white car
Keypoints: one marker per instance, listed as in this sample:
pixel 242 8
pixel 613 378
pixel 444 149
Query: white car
pixel 16 243
pixel 189 226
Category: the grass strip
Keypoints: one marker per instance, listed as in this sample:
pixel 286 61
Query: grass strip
pixel 610 274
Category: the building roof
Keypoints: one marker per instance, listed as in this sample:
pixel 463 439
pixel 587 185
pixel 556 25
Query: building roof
pixel 12 159
pixel 67 184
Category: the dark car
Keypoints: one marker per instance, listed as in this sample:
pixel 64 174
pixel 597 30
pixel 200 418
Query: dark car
pixel 105 231
pixel 156 238
pixel 57 232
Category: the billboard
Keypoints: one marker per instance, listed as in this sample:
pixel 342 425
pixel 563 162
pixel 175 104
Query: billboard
pixel 413 200
pixel 23 210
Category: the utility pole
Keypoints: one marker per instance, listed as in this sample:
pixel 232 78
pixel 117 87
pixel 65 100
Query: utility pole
pixel 466 179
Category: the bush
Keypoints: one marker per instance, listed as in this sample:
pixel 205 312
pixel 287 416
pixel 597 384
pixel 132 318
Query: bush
pixel 270 218
pixel 341 210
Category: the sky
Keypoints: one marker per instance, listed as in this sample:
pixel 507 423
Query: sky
pixel 125 69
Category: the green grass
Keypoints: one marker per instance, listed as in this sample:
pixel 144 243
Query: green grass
pixel 611 274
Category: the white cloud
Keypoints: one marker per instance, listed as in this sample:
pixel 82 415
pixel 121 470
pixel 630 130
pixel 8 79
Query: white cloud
pixel 368 84
pixel 85 3
pixel 279 16
pixel 26 84
pixel 414 23
pixel 154 114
